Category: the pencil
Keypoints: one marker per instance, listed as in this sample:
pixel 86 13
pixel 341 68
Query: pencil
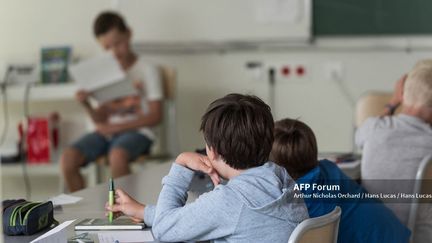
pixel 111 198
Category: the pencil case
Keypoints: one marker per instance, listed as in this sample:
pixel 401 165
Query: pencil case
pixel 21 217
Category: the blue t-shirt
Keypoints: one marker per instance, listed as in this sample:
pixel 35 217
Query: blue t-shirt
pixel 362 220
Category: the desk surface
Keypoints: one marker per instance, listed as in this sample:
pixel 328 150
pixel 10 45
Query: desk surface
pixel 143 186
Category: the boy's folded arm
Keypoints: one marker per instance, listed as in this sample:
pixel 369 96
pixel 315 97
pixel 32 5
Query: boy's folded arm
pixel 149 214
pixel 209 217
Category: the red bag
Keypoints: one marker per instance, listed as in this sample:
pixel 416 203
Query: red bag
pixel 38 140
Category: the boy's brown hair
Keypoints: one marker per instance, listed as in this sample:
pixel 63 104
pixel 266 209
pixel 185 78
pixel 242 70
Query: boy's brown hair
pixel 294 147
pixel 240 129
pixel 107 21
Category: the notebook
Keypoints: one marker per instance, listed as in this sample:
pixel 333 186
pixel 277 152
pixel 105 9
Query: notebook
pixel 104 224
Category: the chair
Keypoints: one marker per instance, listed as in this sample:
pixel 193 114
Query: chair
pixel 368 105
pixel 323 229
pixel 371 104
pixel 424 174
pixel 166 145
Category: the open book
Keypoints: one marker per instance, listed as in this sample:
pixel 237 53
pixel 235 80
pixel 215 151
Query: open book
pixel 104 224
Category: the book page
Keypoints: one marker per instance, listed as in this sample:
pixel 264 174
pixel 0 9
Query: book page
pixel 126 236
pixel 97 72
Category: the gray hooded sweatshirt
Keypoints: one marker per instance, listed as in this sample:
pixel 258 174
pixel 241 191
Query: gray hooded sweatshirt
pixel 255 206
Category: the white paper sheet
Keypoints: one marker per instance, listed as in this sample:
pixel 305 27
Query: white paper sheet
pixel 97 72
pixel 103 77
pixel 56 235
pixel 64 199
pixel 126 236
pixel 278 11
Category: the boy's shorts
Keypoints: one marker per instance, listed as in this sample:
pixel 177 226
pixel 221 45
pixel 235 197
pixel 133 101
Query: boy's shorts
pixel 94 145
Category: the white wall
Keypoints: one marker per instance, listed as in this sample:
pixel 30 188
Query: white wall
pixel 28 25
pixel 221 20
pixel 316 100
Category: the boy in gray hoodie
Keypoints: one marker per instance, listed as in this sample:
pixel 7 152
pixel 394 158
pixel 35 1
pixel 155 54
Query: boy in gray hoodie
pixel 256 205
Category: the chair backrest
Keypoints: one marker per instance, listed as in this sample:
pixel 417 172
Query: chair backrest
pixel 323 229
pixel 167 142
pixel 424 174
pixel 169 79
pixel 371 104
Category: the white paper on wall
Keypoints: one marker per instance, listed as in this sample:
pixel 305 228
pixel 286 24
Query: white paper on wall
pixel 278 11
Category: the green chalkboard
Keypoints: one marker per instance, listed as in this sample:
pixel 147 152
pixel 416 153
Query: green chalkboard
pixel 372 17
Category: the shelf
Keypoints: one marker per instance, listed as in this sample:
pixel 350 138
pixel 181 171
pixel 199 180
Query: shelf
pixel 33 169
pixel 47 92
pixel 90 172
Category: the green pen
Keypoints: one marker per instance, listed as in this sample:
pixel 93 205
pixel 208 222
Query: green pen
pixel 111 198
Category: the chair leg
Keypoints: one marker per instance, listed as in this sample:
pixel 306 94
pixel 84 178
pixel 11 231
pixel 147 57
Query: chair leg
pixel 93 176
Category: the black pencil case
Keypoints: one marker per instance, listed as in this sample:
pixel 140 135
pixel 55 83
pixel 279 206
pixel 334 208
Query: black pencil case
pixel 21 217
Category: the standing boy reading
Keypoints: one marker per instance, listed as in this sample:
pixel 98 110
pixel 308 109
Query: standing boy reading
pixel 256 205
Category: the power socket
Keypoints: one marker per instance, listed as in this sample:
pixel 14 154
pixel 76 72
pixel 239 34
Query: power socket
pixel 290 71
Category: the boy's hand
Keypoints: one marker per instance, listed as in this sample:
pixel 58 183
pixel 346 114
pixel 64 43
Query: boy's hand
pixel 105 129
pixel 195 161
pixel 139 86
pixel 82 95
pixel 398 91
pixel 126 205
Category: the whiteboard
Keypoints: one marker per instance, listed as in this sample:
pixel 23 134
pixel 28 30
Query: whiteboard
pixel 215 20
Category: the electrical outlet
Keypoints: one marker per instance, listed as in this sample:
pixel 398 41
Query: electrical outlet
pixel 290 71
pixel 333 71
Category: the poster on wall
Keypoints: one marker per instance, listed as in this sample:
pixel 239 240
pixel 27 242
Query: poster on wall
pixel 54 64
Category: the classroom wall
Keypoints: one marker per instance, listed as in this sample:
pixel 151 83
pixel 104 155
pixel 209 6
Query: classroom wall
pixel 28 25
pixel 315 100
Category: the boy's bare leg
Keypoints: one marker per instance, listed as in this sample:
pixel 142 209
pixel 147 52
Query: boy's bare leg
pixel 71 162
pixel 119 162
